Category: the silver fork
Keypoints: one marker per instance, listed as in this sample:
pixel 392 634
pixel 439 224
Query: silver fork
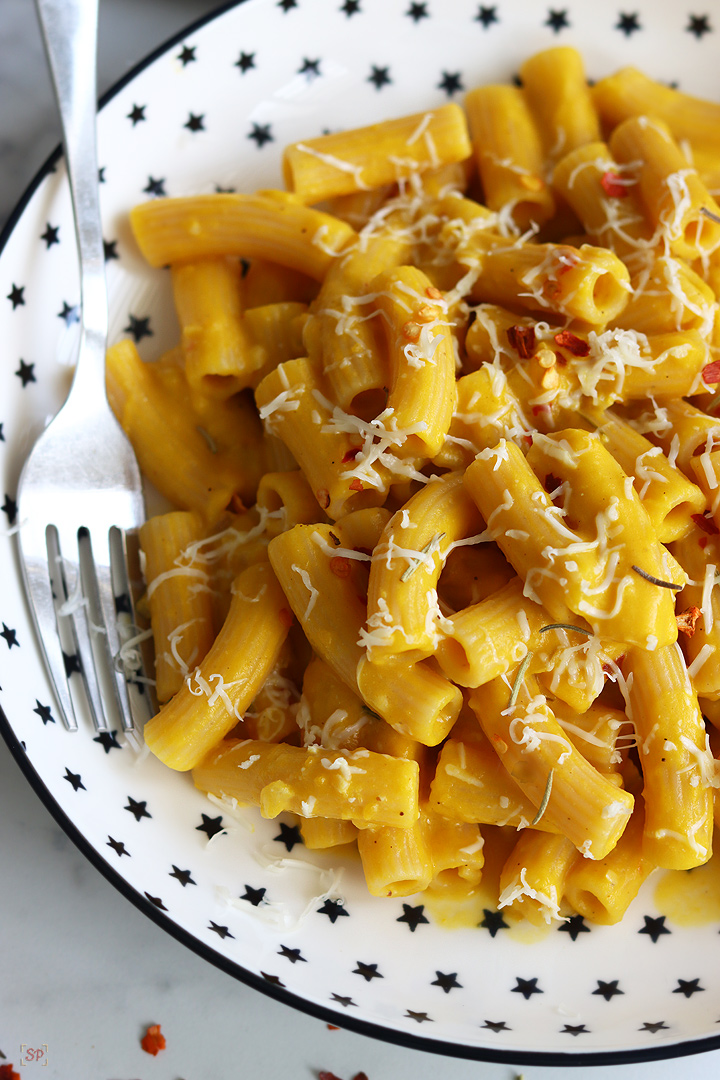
pixel 80 490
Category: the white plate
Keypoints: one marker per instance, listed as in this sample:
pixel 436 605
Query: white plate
pixel 215 109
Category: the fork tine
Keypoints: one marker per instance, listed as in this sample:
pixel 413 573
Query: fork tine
pixel 130 664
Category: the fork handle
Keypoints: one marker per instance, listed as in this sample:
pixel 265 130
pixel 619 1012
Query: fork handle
pixel 69 30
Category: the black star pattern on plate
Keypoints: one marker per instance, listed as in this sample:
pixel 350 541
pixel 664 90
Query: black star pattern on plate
pixel 253 896
pixel 526 987
pixel 289 835
pixel 72 664
pixel 274 980
pixel 557 20
pixel 413 916
pixel 628 24
pixel 101 174
pixel 70 313
pixel 9 507
pixel 195 123
pixel 448 982
pixel 608 990
pixel 487 16
pixel 74 779
pixel 26 373
pixel 139 809
pixel 137 114
pixel 333 909
pixel 118 847
pixel 139 328
pixel 574 926
pixel 416 12
pixel 287 5
pixel 50 236
pixel 379 76
pixel 187 56
pixel 293 955
pixel 10 636
pixel 574 1029
pixel 261 134
pixel 688 987
pixel 183 876
pixel 421 1017
pixel 210 826
pixel 245 62
pixel 653 1028
pixel 496 1025
pixel 310 69
pixel 368 971
pixel 451 83
pixel 16 296
pixel 156 901
pixel 2 437
pixel 221 931
pixel 344 1001
pixel 108 741
pixel 155 187
pixel 110 250
pixel 351 7
pixel 493 921
pixel 699 25
pixel 654 927
pixel 44 713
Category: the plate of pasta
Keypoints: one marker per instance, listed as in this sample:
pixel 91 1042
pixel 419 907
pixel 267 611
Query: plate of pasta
pixel 417 342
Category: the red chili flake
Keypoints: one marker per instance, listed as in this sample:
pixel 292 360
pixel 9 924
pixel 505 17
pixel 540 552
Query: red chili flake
pixel 332 1027
pixel 351 454
pixel 528 439
pixel 8 1073
pixel 153 1040
pixel 567 340
pixel 327 1076
pixel 613 186
pixel 711 373
pixel 703 541
pixel 360 1076
pixel 686 620
pixel 551 482
pixel 335 539
pixel 356 484
pixel 340 566
pixel 323 497
pixel 522 339
pixel 286 617
pixel 705 523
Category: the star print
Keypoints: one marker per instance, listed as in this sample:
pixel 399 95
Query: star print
pixel 50 236
pixel 195 123
pixel 221 931
pixel 344 1001
pixel 574 926
pixel 310 68
pixel 447 982
pixel 210 826
pixel 44 713
pixel 496 1025
pixel 260 134
pixel 139 328
pixel 72 664
pixel 10 636
pixel 419 1016
pixel 155 187
pixel 333 909
pixel 608 990
pixel 108 741
pixel 699 25
pixel 287 5
pixel 486 16
pixel 9 507
pixel 137 114
pixel 557 20
pixel 688 988
pixel 416 12
pixel 628 24
pixel 451 82
pixel 74 779
pixel 368 971
pixel 413 916
pixel 156 901
pixel 110 250
pixel 183 876
pixel 574 1029
pixel 101 175
pixel 187 55
pixel 117 846
pixel 379 77
pixel 493 921
pixel 351 7
pixel 289 835
pixel 654 927
pixel 2 437
pixel 70 313
pixel 16 297
pixel 273 979
pixel 653 1028
pixel 293 955
pixel 246 61
pixel 253 896
pixel 137 808
pixel 526 987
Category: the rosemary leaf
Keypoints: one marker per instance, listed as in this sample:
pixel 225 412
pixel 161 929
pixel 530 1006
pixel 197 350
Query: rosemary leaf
pixel 545 799
pixel 565 626
pixel 656 580
pixel 416 562
pixel 518 679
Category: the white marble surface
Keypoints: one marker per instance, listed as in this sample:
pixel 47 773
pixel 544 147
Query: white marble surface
pixel 82 972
